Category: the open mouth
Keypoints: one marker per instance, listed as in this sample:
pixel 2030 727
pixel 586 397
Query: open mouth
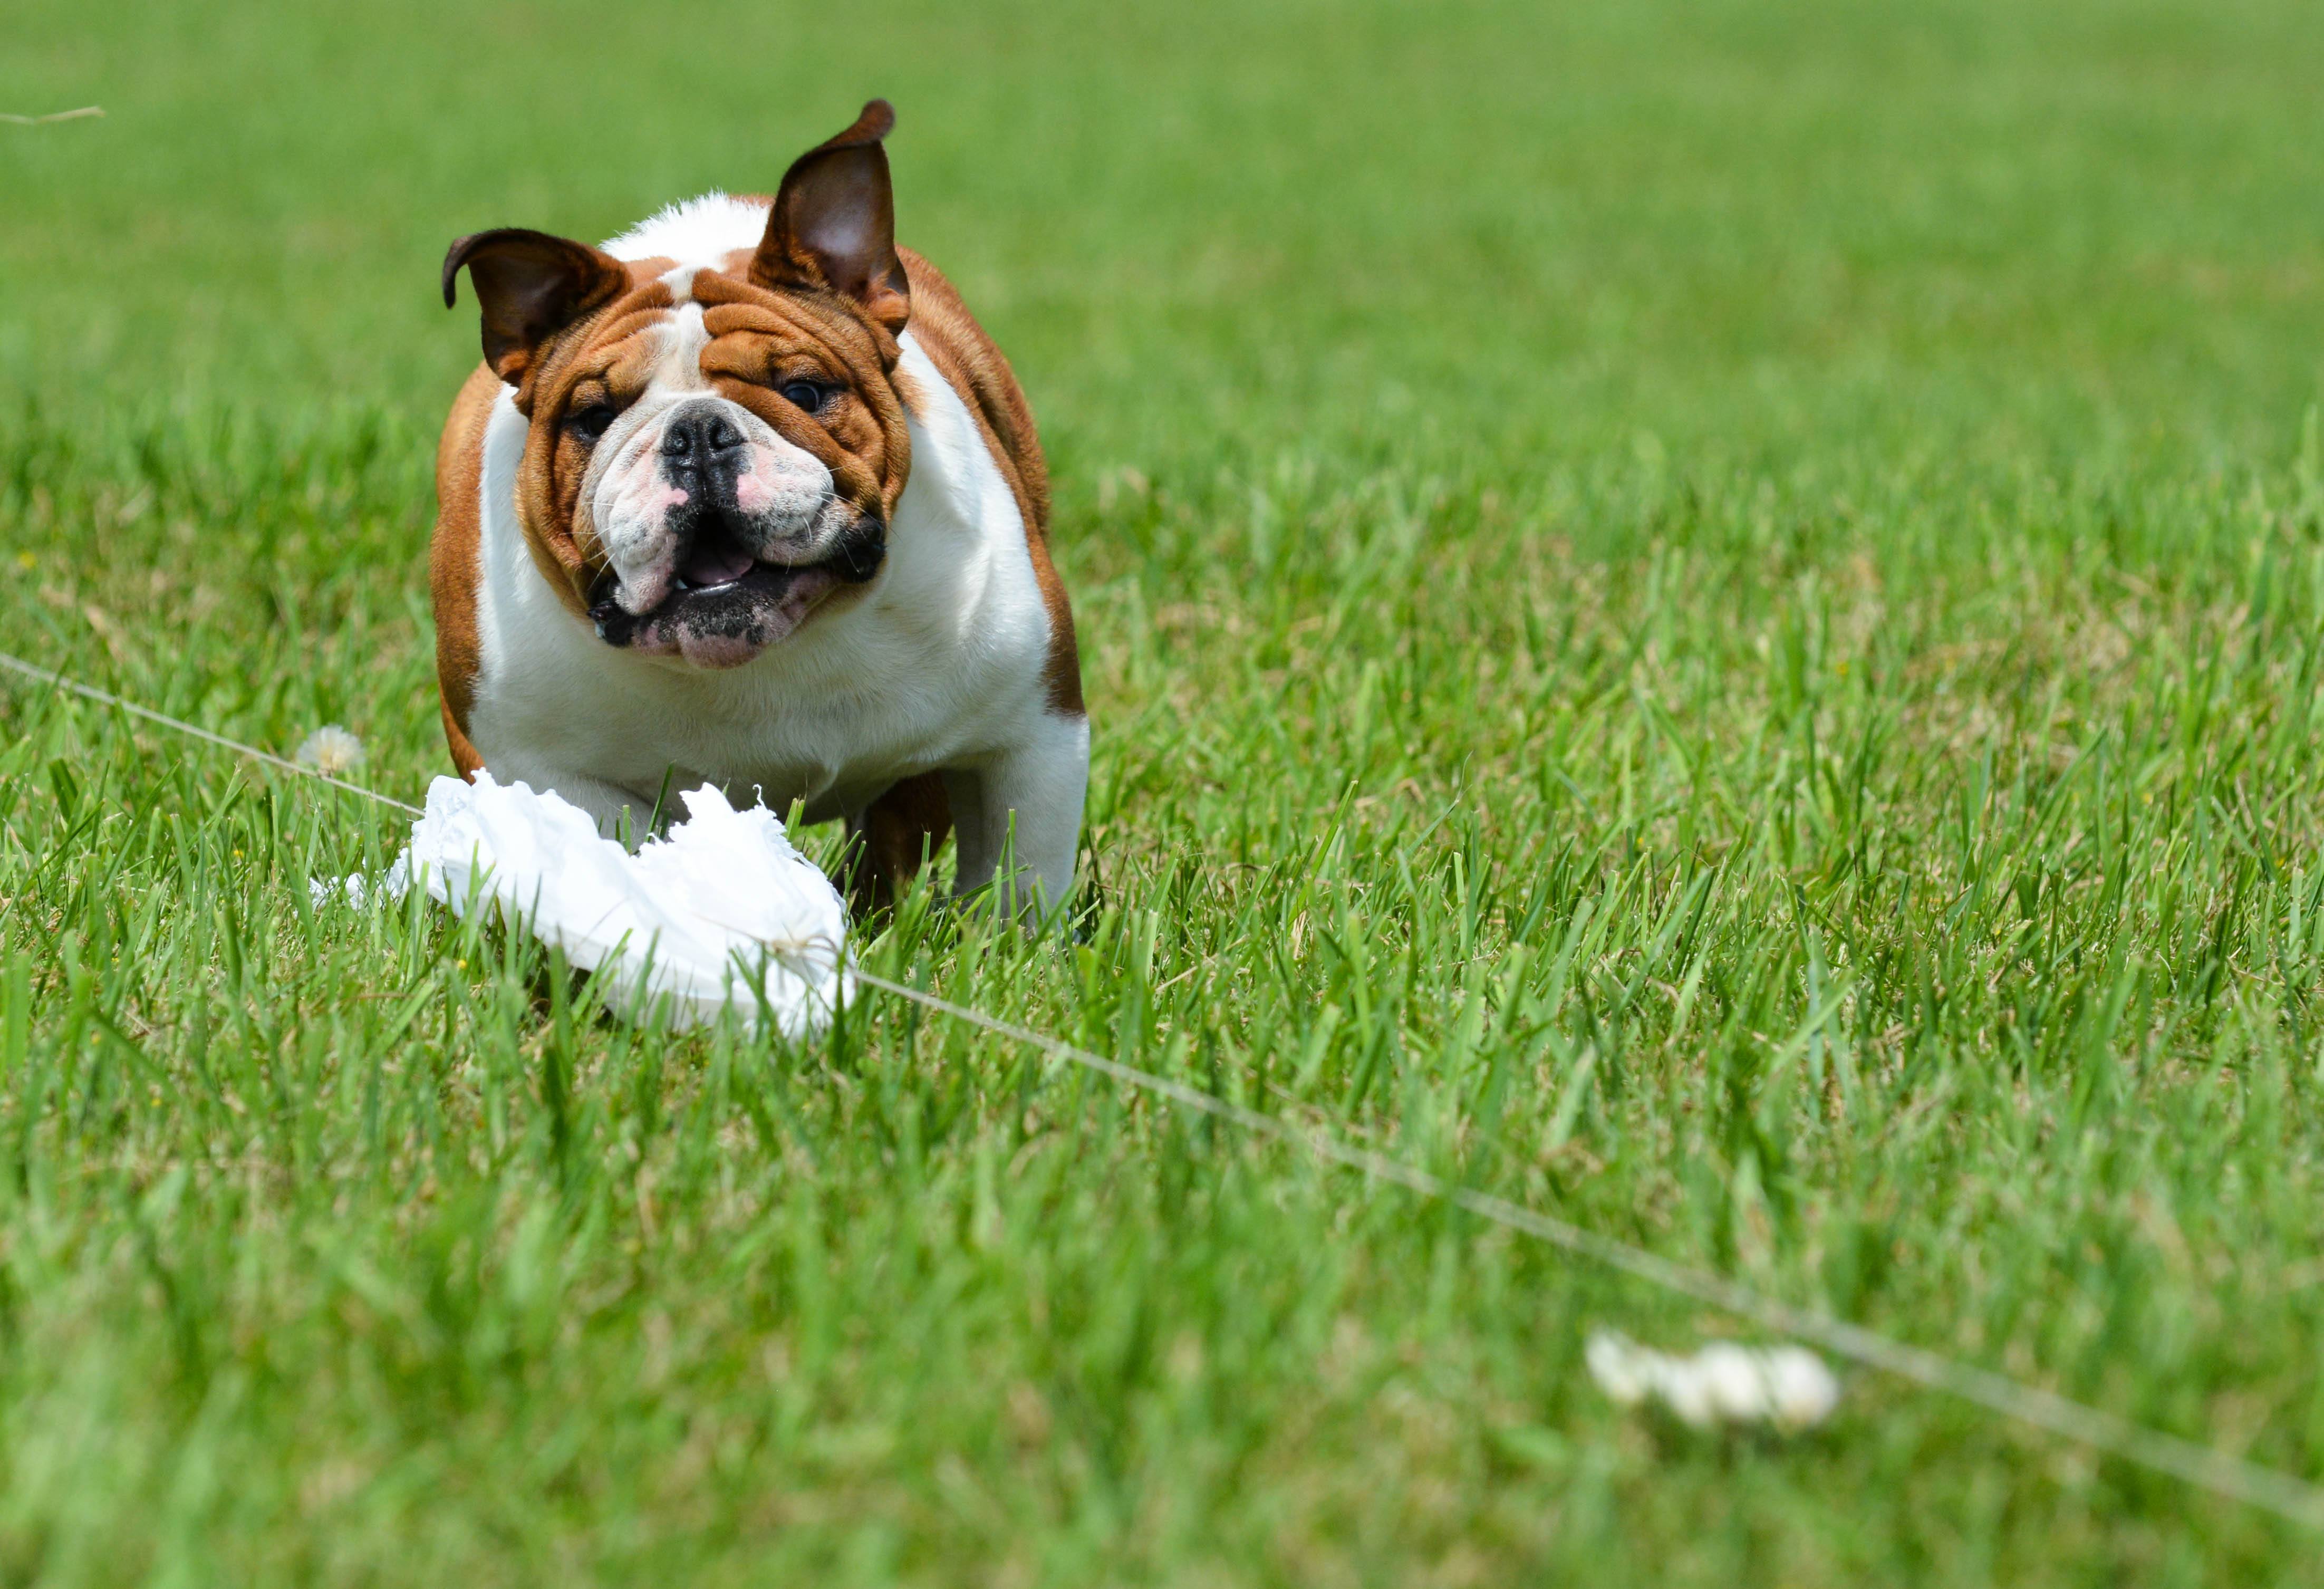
pixel 726 605
pixel 719 566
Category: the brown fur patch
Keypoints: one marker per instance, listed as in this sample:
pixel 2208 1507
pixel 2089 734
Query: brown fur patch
pixel 760 338
pixel 452 569
pixel 892 835
pixel 608 355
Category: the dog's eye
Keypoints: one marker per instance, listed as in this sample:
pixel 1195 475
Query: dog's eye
pixel 803 395
pixel 592 423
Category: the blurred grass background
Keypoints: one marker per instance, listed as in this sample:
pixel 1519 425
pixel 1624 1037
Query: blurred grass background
pixel 1705 614
pixel 2050 226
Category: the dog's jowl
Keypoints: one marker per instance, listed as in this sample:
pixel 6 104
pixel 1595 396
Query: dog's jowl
pixel 746 497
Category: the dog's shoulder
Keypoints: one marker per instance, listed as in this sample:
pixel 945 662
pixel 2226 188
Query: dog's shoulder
pixel 974 365
pixel 976 369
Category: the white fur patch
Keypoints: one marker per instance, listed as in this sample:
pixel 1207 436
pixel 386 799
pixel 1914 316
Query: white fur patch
pixel 678 341
pixel 701 232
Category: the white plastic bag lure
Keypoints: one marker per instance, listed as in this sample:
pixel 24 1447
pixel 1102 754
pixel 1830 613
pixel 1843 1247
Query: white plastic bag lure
pixel 719 915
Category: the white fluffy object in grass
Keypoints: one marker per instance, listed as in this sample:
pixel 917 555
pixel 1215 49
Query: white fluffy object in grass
pixel 1788 1387
pixel 331 750
pixel 722 914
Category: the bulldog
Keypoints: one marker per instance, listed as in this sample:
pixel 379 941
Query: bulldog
pixel 747 497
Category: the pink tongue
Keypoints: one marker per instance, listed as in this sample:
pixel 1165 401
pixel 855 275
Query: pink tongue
pixel 715 565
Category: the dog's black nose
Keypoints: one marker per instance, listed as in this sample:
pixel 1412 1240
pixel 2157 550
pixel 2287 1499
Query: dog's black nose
pixel 696 435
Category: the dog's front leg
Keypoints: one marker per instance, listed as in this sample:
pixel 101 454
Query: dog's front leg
pixel 1018 816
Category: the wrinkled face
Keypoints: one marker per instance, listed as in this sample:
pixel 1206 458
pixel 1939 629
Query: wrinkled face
pixel 711 463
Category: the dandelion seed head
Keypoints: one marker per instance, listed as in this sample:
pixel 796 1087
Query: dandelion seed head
pixel 331 750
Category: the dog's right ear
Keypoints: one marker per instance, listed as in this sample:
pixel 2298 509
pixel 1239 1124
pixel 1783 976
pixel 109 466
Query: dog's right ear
pixel 531 286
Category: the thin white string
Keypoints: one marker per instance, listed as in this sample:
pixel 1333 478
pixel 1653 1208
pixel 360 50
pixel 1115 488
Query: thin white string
pixel 2203 1466
pixel 84 112
pixel 18 664
pixel 2200 1465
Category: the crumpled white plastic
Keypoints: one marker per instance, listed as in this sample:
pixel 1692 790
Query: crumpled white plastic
pixel 720 915
pixel 1786 1386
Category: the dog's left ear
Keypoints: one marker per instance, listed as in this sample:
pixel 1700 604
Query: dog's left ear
pixel 531 286
pixel 834 223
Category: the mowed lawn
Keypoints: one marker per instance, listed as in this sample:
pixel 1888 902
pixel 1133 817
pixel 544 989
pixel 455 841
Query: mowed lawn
pixel 1704 615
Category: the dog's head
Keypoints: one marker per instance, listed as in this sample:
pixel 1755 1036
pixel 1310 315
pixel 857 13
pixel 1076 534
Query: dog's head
pixel 715 449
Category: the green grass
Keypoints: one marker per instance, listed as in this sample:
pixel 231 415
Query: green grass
pixel 1706 616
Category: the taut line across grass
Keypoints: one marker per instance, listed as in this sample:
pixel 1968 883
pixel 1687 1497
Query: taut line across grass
pixel 2202 1465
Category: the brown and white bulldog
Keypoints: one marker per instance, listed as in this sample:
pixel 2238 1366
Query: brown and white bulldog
pixel 747 497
